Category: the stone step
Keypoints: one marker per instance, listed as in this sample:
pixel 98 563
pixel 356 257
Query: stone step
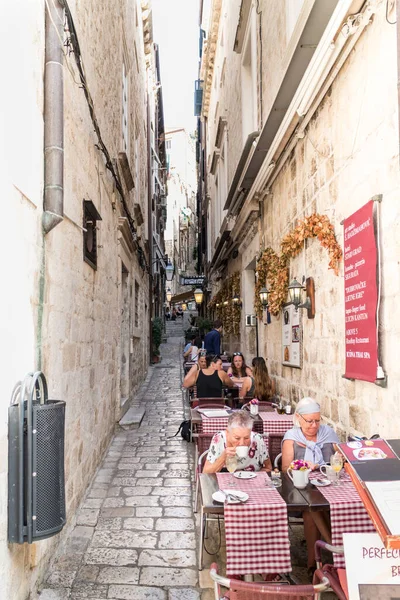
pixel 132 418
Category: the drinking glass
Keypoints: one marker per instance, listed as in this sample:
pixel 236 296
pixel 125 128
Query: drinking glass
pixel 231 464
pixel 336 462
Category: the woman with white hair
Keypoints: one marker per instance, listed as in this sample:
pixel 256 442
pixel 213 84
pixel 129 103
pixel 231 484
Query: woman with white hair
pixel 314 443
pixel 308 440
pixel 238 433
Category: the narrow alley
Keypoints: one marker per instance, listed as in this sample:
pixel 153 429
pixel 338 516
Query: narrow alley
pixel 134 536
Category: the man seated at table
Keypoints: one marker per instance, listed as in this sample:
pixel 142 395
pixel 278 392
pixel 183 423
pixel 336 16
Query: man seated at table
pixel 238 433
pixel 314 443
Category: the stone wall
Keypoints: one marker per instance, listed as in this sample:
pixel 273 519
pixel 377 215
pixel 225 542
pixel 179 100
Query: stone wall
pixel 57 312
pixel 349 154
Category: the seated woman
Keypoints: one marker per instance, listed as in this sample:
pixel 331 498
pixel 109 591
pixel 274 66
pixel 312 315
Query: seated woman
pixel 260 385
pixel 314 443
pixel 209 381
pixel 193 352
pixel 201 363
pixel 238 370
pixel 238 433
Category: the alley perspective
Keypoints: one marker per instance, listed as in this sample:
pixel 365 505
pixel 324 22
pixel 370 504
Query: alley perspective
pixel 199 317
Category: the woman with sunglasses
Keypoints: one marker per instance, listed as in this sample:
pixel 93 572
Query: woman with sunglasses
pixel 314 443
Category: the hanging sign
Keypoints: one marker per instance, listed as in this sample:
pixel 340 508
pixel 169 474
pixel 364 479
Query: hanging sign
pixel 194 280
pixel 291 337
pixel 361 294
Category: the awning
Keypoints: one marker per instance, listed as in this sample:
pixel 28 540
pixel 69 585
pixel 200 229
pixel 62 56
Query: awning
pixel 183 297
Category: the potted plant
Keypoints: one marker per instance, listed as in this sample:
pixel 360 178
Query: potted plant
pixel 204 325
pixel 157 330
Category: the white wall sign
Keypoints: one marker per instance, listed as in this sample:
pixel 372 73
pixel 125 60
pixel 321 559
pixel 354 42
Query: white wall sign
pixel 373 572
pixel 292 343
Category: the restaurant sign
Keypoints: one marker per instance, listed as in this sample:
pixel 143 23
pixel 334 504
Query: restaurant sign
pixel 372 570
pixel 361 294
pixel 195 280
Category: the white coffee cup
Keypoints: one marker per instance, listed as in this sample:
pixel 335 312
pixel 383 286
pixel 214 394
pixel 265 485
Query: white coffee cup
pixel 329 473
pixel 242 451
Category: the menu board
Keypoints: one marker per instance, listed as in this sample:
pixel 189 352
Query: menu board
pixel 372 460
pixel 291 337
pixel 361 295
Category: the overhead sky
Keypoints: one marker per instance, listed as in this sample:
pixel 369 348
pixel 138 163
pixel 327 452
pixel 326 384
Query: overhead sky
pixel 176 31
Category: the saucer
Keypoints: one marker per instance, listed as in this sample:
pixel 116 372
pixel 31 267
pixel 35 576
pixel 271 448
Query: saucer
pixel 320 482
pixel 220 496
pixel 245 475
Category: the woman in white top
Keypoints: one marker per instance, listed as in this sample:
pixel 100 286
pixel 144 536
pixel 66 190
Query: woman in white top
pixel 194 350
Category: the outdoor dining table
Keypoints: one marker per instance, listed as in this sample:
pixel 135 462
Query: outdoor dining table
pixel 257 537
pixel 211 425
pixel 273 422
pixel 347 512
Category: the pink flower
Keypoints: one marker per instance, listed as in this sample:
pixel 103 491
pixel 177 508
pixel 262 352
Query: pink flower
pixel 298 465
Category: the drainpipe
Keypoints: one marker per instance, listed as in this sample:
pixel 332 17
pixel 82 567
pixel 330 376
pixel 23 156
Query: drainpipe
pixel 150 226
pixel 398 60
pixel 53 117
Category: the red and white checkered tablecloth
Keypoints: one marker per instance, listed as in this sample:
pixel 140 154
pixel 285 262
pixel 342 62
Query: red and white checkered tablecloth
pixel 348 514
pixel 211 425
pixel 275 423
pixel 257 537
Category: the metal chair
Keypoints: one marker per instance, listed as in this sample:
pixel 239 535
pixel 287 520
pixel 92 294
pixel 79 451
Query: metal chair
pixel 336 577
pixel 275 447
pixel 203 441
pixel 243 590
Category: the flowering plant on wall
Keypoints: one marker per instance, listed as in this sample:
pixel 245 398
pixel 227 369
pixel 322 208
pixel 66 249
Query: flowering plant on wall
pixel 275 269
pixel 228 312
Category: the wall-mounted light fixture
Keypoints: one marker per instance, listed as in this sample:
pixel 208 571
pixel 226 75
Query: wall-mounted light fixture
pixel 264 296
pixel 198 295
pixel 217 305
pixel 226 303
pixel 236 301
pixel 295 289
pixel 169 271
pixel 168 295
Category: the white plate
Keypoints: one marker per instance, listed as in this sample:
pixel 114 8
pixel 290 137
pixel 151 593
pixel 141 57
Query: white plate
pixel 220 496
pixel 320 482
pixel 354 444
pixel 245 475
pixel 369 454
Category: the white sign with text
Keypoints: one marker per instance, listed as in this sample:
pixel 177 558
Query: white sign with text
pixel 372 570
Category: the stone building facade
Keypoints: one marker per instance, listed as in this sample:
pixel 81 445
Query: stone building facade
pixel 181 227
pixel 75 300
pixel 299 116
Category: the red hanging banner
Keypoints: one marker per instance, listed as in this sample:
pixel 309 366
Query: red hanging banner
pixel 361 294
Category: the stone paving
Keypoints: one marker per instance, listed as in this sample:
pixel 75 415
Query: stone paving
pixel 135 532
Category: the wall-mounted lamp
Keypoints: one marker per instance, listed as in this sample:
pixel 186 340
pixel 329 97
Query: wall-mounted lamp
pixel 226 303
pixel 264 296
pixel 169 271
pixel 168 295
pixel 198 296
pixel 295 288
pixel 184 306
pixel 236 301
pixel 217 305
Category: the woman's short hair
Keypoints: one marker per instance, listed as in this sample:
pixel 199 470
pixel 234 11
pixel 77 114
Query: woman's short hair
pixel 240 419
pixel 302 404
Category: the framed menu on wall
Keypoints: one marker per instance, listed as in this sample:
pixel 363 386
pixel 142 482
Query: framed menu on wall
pixel 292 337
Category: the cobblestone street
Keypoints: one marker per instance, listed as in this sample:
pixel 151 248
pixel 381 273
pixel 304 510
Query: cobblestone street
pixel 135 532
